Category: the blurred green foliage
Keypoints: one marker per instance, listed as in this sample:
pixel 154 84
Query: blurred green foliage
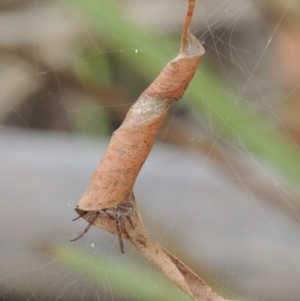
pixel 93 121
pixel 93 69
pixel 124 280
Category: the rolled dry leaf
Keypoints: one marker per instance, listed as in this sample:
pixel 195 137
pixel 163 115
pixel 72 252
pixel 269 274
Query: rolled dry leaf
pixel 113 180
pixel 109 202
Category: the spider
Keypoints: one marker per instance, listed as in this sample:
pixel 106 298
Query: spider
pixel 115 213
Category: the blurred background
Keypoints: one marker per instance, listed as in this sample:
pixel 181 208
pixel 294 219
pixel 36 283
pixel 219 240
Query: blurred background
pixel 221 187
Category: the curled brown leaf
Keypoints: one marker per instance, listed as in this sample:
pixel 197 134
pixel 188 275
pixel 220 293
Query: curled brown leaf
pixel 109 202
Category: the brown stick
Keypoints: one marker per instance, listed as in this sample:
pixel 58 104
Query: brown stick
pixel 186 25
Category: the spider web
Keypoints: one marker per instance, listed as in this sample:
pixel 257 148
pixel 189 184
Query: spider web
pixel 208 193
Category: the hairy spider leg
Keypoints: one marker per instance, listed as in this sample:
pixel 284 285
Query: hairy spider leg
pixel 116 218
pixel 87 227
pixel 117 221
pixel 130 221
pixel 78 217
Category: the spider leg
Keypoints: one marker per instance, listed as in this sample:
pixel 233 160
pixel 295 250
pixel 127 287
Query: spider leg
pixel 117 220
pixel 86 229
pixel 130 221
pixel 78 217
